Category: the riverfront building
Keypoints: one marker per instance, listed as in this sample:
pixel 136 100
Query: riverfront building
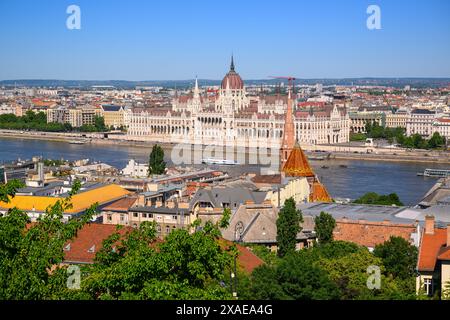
pixel 230 116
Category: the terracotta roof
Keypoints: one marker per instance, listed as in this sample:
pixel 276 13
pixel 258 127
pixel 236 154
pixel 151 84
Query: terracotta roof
pixel 369 233
pixel 430 248
pixel 89 241
pixel 297 164
pixel 269 178
pixel 90 238
pixel 444 254
pixel 247 260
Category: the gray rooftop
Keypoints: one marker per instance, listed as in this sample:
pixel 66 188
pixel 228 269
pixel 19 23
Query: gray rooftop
pixel 233 196
pixel 355 211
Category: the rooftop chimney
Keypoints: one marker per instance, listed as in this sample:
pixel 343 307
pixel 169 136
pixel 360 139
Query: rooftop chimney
pixel 429 225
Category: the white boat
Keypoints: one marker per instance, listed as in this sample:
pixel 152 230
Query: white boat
pixel 77 142
pixel 222 162
pixel 435 173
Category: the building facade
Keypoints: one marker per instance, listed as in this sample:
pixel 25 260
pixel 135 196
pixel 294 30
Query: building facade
pixel 76 117
pixel 420 121
pixel 230 116
pixel 114 115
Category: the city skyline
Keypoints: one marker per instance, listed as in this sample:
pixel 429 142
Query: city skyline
pixel 176 40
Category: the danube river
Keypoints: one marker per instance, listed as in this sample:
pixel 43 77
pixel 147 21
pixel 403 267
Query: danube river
pixel 343 178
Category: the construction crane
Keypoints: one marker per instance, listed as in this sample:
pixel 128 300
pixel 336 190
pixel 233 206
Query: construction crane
pixel 291 80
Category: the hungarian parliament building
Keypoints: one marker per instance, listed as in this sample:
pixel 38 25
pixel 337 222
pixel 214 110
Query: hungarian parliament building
pixel 231 117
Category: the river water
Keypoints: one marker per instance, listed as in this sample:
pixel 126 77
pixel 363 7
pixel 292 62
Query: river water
pixel 352 181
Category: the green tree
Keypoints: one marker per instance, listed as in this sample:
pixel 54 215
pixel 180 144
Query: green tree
pixel 399 257
pixel 136 266
pixel 288 226
pixel 29 251
pixel 156 164
pixel 99 124
pixel 436 141
pixel 376 199
pixel 295 277
pixel 347 264
pixel 324 226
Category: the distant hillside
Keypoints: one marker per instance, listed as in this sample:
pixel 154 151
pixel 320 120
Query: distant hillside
pixel 394 82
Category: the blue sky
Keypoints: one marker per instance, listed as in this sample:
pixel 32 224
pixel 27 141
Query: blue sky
pixel 167 39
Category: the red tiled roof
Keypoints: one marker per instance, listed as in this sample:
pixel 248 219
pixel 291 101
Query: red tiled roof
pixel 444 254
pixel 247 260
pixel 269 178
pixel 430 249
pixel 90 238
pixel 369 233
pixel 88 242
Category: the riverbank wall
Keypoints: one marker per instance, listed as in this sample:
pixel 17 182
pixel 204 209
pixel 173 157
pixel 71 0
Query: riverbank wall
pixel 338 152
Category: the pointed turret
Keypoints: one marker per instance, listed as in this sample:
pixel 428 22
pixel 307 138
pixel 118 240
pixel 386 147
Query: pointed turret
pixel 288 133
pixel 297 164
pixel 196 90
pixel 232 63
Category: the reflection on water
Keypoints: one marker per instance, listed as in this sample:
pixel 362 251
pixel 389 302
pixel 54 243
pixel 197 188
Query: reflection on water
pixel 353 181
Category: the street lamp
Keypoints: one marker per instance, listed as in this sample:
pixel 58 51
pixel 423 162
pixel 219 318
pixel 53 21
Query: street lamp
pixel 238 229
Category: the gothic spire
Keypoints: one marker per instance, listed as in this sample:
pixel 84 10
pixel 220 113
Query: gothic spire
pixel 232 63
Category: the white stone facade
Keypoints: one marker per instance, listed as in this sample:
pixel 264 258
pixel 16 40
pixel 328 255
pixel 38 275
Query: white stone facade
pixel 232 118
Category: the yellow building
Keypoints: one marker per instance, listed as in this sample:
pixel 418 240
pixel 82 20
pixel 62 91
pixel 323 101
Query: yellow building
pixel 35 206
pixel 114 115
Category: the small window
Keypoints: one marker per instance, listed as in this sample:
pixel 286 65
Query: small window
pixel 428 286
pixel 144 215
pixel 135 214
pixel 167 229
pixel 175 217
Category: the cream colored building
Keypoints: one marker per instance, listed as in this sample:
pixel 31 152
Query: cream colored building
pixel 397 120
pixel 297 188
pixel 114 115
pixel 76 117
pixel 358 120
pixel 420 121
pixel 233 118
pixel 442 126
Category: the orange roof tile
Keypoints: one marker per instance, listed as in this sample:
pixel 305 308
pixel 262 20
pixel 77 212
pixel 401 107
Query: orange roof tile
pixel 444 254
pixel 370 233
pixel 247 260
pixel 89 240
pixel 297 164
pixel 430 247
pixel 319 193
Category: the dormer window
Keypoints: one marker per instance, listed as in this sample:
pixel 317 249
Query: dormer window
pixel 92 249
pixel 67 248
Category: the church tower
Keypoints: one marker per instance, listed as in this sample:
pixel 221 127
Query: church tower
pixel 288 134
